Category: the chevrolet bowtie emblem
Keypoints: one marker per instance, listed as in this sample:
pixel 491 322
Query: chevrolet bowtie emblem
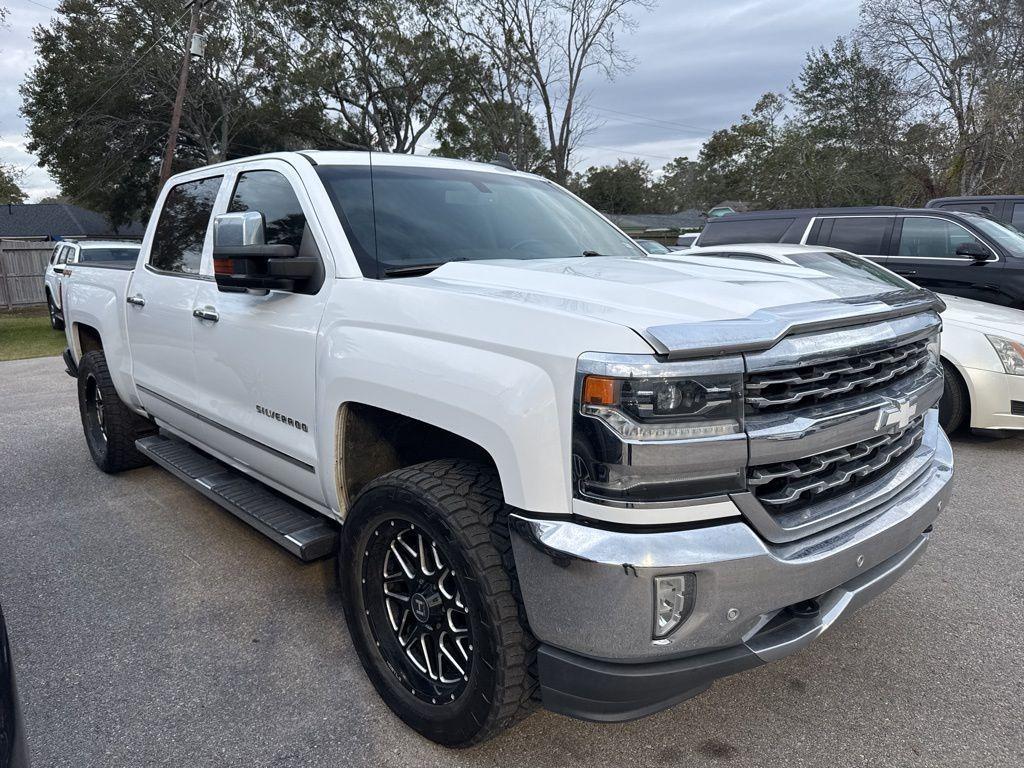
pixel 897 413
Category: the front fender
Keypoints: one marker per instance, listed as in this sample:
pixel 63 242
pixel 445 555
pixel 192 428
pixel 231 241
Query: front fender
pixel 508 406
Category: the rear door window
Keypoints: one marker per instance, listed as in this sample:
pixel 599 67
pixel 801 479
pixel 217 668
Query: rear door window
pixel 181 229
pixel 863 235
pixel 1017 217
pixel 724 232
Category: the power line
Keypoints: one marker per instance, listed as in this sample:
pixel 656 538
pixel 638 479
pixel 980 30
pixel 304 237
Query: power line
pixel 669 123
pixel 54 10
pixel 625 151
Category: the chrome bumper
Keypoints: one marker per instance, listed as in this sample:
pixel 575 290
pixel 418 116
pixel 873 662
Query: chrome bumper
pixel 589 591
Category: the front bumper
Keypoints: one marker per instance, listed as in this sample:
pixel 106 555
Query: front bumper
pixel 992 396
pixel 589 596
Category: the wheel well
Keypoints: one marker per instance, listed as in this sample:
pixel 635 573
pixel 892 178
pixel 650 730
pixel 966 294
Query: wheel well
pixel 372 441
pixel 948 366
pixel 89 339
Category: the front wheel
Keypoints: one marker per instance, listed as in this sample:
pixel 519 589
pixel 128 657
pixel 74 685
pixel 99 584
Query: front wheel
pixel 426 568
pixel 954 405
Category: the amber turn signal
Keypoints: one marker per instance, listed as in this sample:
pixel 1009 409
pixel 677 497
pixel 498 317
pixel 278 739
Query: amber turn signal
pixel 598 390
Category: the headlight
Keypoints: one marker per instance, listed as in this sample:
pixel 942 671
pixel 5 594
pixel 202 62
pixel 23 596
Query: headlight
pixel 1011 354
pixel 651 431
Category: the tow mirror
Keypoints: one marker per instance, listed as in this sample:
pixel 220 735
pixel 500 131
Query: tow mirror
pixel 975 250
pixel 242 260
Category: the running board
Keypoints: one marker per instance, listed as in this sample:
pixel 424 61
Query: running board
pixel 304 533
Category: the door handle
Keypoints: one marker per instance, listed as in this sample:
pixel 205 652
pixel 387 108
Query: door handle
pixel 206 313
pixel 137 300
pixel 906 272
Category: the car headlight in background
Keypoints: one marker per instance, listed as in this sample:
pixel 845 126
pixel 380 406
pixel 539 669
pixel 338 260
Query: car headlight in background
pixel 1011 354
pixel 651 431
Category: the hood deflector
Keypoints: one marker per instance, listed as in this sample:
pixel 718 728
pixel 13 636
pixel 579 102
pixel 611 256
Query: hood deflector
pixel 765 327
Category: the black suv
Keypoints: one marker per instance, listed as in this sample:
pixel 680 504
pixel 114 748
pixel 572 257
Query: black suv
pixel 1008 209
pixel 964 254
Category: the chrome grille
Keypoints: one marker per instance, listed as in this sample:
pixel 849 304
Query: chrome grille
pixel 791 485
pixel 810 384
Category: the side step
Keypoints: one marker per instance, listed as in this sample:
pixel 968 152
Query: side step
pixel 304 533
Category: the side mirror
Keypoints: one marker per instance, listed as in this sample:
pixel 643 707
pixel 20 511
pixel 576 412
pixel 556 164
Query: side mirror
pixel 976 251
pixel 242 260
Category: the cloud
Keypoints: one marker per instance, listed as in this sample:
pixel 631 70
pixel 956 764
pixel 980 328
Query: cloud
pixel 16 58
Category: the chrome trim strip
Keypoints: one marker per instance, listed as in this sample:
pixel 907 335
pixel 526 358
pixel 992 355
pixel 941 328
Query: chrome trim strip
pixel 667 513
pixel 245 438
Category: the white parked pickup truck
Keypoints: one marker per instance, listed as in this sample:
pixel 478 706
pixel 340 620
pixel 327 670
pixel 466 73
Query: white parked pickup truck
pixel 552 468
pixel 112 254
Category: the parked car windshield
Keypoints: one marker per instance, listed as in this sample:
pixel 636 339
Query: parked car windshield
pixel 846 266
pixel 399 219
pixel 1008 237
pixel 108 254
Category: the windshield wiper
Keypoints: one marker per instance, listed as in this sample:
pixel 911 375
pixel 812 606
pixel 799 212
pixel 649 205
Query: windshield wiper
pixel 595 253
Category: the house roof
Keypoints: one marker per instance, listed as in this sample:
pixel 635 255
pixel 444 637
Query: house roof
pixel 651 221
pixel 59 220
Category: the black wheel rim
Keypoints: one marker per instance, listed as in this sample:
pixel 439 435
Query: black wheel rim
pixel 415 605
pixel 94 411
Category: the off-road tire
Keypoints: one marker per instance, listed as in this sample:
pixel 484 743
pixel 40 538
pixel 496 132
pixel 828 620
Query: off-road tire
pixel 460 505
pixel 112 441
pixel 954 405
pixel 56 321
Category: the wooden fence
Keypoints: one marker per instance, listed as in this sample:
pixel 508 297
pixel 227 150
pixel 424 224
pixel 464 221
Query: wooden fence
pixel 22 264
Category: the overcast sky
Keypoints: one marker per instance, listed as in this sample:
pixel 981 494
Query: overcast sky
pixel 699 65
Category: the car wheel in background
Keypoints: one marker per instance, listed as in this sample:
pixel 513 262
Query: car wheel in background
pixel 111 428
pixel 954 405
pixel 430 594
pixel 56 321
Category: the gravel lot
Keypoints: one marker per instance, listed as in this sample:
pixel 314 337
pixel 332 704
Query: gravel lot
pixel 152 628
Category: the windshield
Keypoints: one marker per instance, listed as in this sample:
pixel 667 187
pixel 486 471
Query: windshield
pixel 1008 237
pixel 652 246
pixel 846 266
pixel 401 220
pixel 108 254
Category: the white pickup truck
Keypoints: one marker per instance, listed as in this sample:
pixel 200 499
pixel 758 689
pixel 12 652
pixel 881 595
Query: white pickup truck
pixel 553 468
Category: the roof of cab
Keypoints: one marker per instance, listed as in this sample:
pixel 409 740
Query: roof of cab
pixel 318 157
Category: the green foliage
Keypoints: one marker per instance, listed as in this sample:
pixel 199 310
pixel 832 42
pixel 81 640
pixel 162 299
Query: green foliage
pixel 622 188
pixel 10 188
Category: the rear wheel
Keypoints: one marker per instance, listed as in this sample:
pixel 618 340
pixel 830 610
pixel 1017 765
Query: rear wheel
pixel 111 428
pixel 953 407
pixel 426 568
pixel 56 321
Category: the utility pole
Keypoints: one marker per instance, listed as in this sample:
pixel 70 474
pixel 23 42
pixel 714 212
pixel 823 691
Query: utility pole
pixel 179 99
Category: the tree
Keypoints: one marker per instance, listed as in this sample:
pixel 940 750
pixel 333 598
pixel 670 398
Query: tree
pixel 554 44
pixel 621 188
pixel 480 130
pixel 676 190
pixel 98 101
pixel 958 58
pixel 384 71
pixel 10 186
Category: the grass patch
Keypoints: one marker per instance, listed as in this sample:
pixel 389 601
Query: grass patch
pixel 27 333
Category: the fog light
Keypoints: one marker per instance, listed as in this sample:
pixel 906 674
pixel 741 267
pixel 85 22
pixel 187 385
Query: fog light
pixel 673 599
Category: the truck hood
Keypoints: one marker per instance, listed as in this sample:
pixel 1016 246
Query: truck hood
pixel 686 306
pixel 984 317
